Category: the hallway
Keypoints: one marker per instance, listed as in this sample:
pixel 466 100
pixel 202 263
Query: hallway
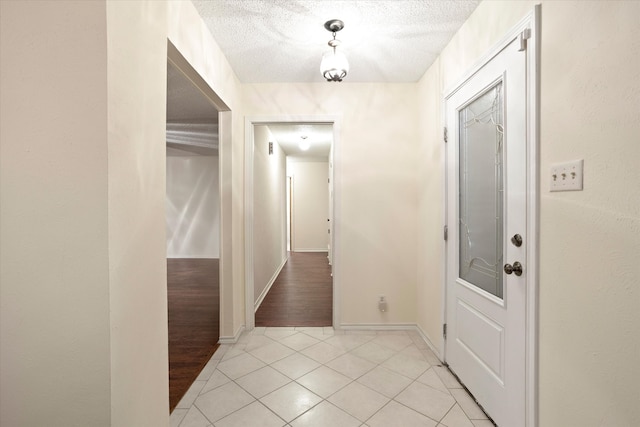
pixel 302 294
pixel 320 377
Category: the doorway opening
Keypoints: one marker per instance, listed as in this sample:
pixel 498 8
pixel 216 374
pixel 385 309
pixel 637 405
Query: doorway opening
pixel 293 218
pixel 193 207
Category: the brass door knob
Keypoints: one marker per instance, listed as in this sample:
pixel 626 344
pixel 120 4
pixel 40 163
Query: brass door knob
pixel 515 268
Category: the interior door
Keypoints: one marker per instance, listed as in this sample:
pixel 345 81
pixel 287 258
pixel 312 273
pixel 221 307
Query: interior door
pixel 486 217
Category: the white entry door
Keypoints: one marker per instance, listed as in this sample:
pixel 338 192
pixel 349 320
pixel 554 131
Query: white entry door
pixel 486 304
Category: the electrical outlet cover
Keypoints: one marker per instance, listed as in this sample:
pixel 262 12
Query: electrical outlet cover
pixel 567 176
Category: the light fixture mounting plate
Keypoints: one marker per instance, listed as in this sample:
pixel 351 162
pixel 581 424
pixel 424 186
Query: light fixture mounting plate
pixel 334 25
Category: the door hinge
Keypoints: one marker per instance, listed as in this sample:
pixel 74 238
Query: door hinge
pixel 524 36
pixel 444 331
pixel 446 136
pixel 446 233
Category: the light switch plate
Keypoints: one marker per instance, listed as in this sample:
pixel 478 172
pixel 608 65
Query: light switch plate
pixel 567 176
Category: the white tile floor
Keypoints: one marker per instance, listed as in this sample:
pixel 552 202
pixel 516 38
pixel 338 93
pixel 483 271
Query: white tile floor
pixel 318 377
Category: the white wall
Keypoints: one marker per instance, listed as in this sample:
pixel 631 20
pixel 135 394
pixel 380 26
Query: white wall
pixel 137 35
pixel 136 116
pixel 377 189
pixel 54 280
pixel 269 206
pixel 83 248
pixel 589 244
pixel 310 205
pixel 590 240
pixel 193 207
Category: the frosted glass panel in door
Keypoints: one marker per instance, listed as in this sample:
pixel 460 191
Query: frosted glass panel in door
pixel 481 191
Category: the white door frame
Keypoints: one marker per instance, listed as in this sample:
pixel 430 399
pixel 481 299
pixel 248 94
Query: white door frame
pixel 532 22
pixel 249 123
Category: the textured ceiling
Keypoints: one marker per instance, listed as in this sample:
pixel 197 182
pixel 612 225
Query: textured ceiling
pixel 284 40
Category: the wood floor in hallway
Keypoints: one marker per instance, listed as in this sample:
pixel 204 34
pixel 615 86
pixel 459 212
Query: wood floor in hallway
pixel 194 320
pixel 302 294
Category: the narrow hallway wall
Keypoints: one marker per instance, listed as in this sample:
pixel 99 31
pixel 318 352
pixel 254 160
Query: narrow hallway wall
pixel 269 198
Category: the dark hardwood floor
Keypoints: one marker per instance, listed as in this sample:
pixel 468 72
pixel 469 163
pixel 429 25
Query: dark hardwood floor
pixel 302 295
pixel 194 321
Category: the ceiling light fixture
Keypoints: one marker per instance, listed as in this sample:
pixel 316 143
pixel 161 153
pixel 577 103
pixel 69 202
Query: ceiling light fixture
pixel 304 144
pixel 334 66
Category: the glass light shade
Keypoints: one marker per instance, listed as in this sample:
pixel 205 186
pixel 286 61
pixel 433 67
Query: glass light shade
pixel 334 66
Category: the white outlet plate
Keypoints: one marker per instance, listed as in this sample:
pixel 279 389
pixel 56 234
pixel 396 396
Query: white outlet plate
pixel 567 176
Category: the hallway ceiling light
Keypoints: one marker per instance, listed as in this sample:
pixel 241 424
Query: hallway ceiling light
pixel 304 144
pixel 334 66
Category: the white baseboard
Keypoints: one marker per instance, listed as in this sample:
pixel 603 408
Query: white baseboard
pixel 393 327
pixel 267 288
pixel 426 339
pixel 310 250
pixel 194 256
pixel 377 326
pixel 233 339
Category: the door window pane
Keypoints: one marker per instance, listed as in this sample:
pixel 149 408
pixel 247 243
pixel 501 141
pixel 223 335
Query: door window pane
pixel 481 191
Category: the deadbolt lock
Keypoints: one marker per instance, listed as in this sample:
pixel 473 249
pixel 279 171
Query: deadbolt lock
pixel 516 240
pixel 515 268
